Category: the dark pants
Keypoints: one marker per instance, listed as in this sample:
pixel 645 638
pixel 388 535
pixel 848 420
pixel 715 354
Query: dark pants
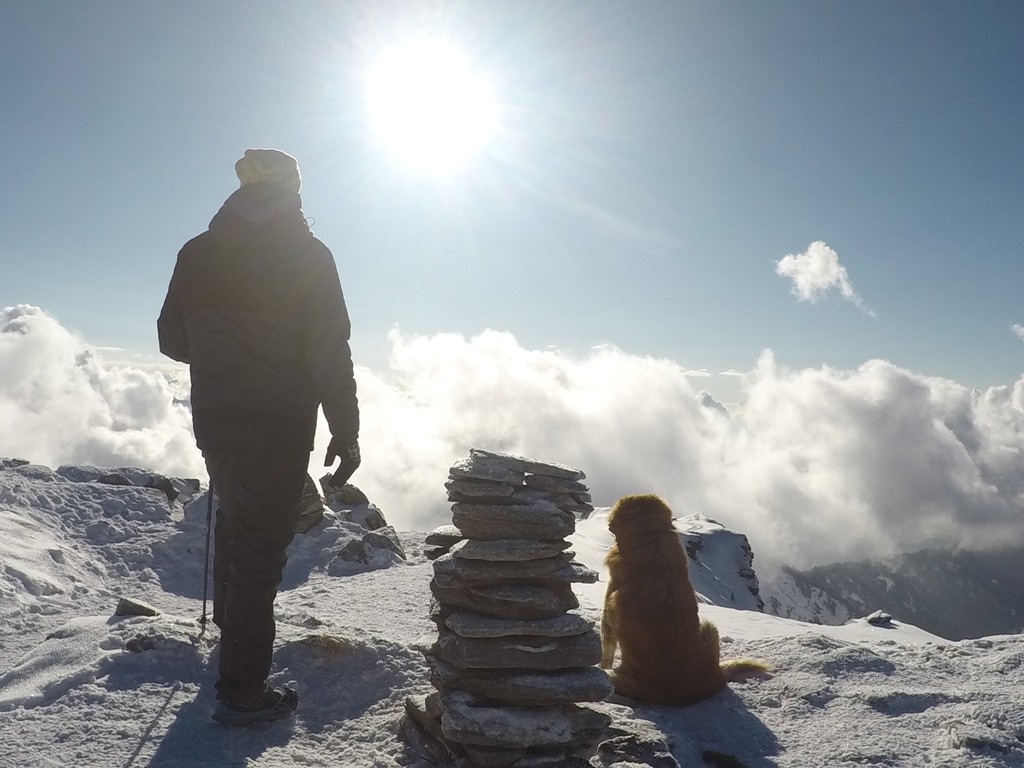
pixel 259 492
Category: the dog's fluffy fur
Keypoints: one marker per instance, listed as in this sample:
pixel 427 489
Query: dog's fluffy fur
pixel 668 655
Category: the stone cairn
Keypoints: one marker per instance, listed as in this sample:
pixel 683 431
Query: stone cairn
pixel 513 664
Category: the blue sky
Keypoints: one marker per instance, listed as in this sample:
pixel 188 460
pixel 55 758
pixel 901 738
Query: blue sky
pixel 653 164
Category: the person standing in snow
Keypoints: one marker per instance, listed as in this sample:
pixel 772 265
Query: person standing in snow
pixel 256 309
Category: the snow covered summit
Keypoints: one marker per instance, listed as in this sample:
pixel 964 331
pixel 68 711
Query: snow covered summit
pixel 81 685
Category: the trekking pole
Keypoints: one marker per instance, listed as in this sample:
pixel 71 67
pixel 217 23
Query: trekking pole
pixel 206 559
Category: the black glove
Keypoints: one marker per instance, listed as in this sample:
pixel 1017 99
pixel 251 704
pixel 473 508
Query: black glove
pixel 350 460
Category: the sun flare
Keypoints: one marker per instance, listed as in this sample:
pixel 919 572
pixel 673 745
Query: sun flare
pixel 429 106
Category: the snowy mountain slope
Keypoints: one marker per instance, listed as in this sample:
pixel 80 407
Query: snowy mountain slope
pixel 954 594
pixel 78 685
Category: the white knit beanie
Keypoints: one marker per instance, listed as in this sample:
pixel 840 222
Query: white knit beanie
pixel 269 165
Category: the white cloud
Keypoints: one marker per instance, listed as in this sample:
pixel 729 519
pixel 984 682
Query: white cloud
pixel 1018 330
pixel 817 271
pixel 818 464
pixel 60 404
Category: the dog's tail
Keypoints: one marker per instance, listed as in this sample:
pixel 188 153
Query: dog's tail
pixel 742 669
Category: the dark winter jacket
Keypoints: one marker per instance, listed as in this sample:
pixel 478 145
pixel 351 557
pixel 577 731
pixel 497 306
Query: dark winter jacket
pixel 256 309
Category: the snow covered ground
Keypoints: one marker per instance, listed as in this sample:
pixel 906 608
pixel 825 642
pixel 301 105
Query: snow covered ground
pixel 79 686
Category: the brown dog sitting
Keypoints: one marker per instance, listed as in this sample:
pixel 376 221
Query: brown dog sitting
pixel 669 656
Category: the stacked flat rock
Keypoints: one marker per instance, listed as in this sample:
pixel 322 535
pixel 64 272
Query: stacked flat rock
pixel 513 664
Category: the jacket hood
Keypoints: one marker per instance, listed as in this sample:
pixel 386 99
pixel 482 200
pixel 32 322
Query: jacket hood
pixel 258 205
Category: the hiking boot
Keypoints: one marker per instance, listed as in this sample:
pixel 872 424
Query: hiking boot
pixel 267 706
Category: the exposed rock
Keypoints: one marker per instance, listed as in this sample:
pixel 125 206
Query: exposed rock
pixel 450 571
pixel 487 471
pixel 512 550
pixel 554 484
pixel 523 464
pixel 717 550
pixel 114 478
pixel 377 549
pixel 516 728
pixel 12 463
pixel 368 516
pixel 440 540
pixel 542 521
pixel 879 619
pixel 140 478
pixel 386 538
pixel 469 486
pixel 444 535
pixel 511 602
pixel 472 625
pixel 518 651
pixel 348 495
pixel 311 507
pixel 426 710
pixel 187 487
pixel 127 606
pixel 534 688
pixel 633 750
pixel 633 740
pixel 424 713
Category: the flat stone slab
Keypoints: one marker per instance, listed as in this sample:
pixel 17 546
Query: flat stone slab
pixel 473 625
pixel 525 688
pixel 510 602
pixel 541 520
pixel 527 495
pixel 523 464
pixel 486 471
pixel 518 651
pixel 518 728
pixel 127 606
pixel 555 484
pixel 450 571
pixel 443 535
pixel 508 550
pixel 471 486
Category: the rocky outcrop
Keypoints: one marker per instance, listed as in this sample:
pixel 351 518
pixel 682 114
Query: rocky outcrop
pixel 172 487
pixel 721 563
pixel 512 664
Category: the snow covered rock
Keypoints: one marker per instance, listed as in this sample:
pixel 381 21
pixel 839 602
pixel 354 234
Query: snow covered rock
pixel 134 476
pixel 722 563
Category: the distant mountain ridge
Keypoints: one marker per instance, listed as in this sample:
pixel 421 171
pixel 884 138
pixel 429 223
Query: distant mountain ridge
pixel 956 595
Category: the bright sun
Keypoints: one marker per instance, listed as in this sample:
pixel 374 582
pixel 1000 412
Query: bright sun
pixel 429 105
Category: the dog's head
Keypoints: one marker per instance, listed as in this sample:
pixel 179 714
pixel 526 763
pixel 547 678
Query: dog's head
pixel 640 512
